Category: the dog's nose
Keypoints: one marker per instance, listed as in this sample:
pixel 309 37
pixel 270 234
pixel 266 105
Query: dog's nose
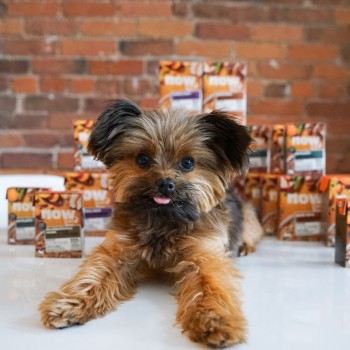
pixel 166 187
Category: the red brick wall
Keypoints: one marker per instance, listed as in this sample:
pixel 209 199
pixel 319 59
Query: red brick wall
pixel 63 59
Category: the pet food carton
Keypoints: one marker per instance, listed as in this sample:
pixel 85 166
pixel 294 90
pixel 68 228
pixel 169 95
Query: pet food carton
pixel 21 229
pixel 332 186
pixel 59 224
pixel 97 199
pixel 269 203
pixel 342 229
pixel 299 208
pixel 225 88
pixel 305 148
pixel 259 157
pixel 180 85
pixel 83 159
pixel 253 191
pixel 277 152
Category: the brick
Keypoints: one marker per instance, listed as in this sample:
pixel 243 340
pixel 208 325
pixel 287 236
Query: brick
pixel 24 84
pixel 331 72
pixel 13 66
pixel 4 83
pixel 82 85
pixel 23 121
pixel 302 15
pixel 51 26
pixel 276 106
pixel 273 32
pixel 137 86
pixel 64 121
pixel 321 109
pixel 222 31
pixel 108 28
pixel 328 34
pixel 145 9
pixel 127 67
pixel 88 47
pixel 11 26
pixel 205 48
pixel 65 160
pixel 146 47
pixel 152 67
pixel 108 87
pixel 278 70
pixel 342 15
pixel 180 9
pixel 7 103
pixel 313 52
pixel 302 89
pixel 26 160
pixel 57 104
pixel 275 90
pixel 345 53
pixel 52 83
pixel 331 91
pixel 10 140
pixel 88 8
pixel 96 104
pixel 149 102
pixel 29 47
pixel 165 29
pixel 254 88
pixel 48 140
pixel 260 51
pixel 33 8
pixel 61 66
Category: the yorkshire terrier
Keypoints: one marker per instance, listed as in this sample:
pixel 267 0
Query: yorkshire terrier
pixel 173 216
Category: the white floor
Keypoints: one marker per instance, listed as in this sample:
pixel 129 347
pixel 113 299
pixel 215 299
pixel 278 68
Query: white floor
pixel 295 297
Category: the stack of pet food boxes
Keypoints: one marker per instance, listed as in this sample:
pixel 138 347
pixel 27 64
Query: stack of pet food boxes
pixel 56 222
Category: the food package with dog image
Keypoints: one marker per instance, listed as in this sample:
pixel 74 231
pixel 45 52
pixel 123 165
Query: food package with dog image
pixel 277 152
pixel 180 85
pixel 306 148
pixel 97 199
pixel 269 203
pixel 253 191
pixel 21 229
pixel 225 89
pixel 82 158
pixel 332 186
pixel 59 229
pixel 259 157
pixel 342 228
pixel 300 203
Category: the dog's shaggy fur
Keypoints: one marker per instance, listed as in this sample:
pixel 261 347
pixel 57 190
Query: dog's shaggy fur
pixel 173 216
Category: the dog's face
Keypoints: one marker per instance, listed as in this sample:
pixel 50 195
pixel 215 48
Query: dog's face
pixel 168 164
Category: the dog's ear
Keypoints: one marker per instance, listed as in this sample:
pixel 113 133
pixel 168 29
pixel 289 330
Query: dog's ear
pixel 110 126
pixel 229 140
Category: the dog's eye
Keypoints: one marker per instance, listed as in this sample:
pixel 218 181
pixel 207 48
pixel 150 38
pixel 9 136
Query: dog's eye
pixel 186 164
pixel 142 160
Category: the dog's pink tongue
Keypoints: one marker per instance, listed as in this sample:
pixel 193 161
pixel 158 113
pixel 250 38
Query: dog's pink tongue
pixel 161 200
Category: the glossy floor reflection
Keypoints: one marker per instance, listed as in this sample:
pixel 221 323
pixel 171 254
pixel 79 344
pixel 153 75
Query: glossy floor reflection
pixel 295 297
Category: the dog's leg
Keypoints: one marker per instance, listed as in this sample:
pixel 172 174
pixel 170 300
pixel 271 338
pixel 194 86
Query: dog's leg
pixel 209 308
pixel 107 277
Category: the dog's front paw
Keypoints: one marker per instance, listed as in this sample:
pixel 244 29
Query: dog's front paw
pixel 215 331
pixel 60 311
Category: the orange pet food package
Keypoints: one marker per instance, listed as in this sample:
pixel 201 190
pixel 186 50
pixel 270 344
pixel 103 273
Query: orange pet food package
pixel 269 203
pixel 59 229
pixel 306 148
pixel 21 229
pixel 342 229
pixel 259 158
pixel 83 159
pixel 253 191
pixel 180 85
pixel 332 186
pixel 225 88
pixel 98 199
pixel 299 208
pixel 277 153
